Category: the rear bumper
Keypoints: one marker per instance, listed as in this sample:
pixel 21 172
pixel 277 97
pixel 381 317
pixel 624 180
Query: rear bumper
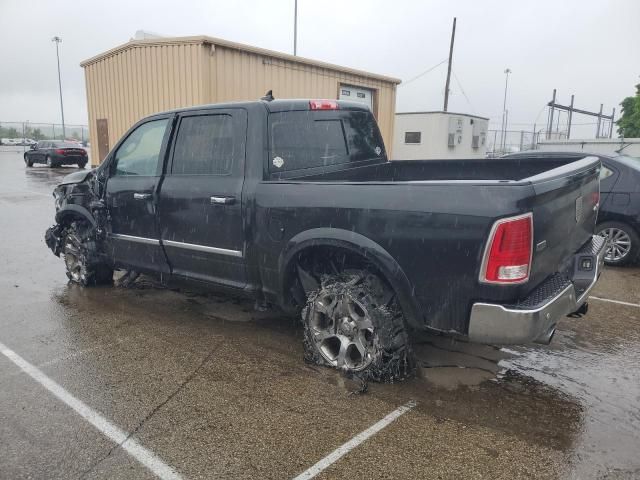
pixel 69 160
pixel 534 319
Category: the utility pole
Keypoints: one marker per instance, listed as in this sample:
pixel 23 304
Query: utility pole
pixel 446 87
pixel 295 28
pixel 504 137
pixel 533 138
pixel 613 114
pixel 504 107
pixel 570 118
pixel 57 41
pixel 551 112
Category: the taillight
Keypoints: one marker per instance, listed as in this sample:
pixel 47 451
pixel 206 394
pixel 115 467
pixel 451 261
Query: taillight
pixel 323 105
pixel 59 151
pixel 507 257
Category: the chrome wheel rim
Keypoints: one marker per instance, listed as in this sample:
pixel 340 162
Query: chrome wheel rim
pixel 618 244
pixel 49 162
pixel 342 331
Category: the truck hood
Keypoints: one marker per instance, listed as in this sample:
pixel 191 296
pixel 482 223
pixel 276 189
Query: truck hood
pixel 77 177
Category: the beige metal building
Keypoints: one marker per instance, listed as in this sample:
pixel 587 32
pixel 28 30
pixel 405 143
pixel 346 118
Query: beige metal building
pixel 143 77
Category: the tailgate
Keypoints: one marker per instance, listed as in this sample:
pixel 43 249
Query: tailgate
pixel 564 214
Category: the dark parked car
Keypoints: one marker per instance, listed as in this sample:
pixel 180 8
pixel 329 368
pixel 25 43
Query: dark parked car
pixel 619 214
pixel 56 153
pixel 295 204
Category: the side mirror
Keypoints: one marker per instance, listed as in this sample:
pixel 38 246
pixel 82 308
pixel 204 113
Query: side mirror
pixel 34 146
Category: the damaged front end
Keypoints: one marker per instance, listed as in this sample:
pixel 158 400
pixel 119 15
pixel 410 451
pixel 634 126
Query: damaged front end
pixel 77 199
pixel 54 237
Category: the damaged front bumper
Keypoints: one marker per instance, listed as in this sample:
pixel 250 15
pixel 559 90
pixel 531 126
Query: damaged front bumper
pixel 534 319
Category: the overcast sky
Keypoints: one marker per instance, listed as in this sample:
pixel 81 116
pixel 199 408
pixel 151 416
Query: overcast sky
pixel 590 48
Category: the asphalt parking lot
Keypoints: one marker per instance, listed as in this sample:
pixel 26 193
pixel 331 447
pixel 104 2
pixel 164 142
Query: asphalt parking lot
pixel 143 382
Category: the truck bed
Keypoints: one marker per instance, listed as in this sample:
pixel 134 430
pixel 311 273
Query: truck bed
pixel 439 170
pixel 434 217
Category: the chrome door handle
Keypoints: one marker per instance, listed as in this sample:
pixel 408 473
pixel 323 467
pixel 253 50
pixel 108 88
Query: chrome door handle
pixel 141 196
pixel 222 200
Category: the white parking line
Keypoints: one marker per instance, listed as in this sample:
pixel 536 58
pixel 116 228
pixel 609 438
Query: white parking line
pixel 108 429
pixel 619 302
pixel 354 442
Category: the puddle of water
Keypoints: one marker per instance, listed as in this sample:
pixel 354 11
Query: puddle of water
pixel 607 385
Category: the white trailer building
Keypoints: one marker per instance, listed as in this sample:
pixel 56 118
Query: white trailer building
pixel 439 135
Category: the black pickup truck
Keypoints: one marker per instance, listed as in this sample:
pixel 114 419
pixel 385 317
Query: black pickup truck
pixel 294 203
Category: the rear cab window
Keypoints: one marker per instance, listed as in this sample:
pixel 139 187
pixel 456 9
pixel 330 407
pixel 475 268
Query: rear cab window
pixel 309 142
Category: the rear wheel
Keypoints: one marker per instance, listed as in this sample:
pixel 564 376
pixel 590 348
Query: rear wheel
pixel 81 267
pixel 623 243
pixel 82 164
pixel 352 323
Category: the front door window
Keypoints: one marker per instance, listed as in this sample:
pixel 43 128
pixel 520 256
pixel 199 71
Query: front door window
pixel 140 152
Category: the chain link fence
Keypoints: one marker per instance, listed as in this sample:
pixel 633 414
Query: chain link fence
pixel 512 141
pixel 15 133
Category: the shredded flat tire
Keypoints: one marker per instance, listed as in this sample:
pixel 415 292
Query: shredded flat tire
pixel 352 323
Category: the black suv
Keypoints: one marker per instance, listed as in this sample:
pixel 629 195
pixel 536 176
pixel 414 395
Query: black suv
pixel 56 153
pixel 619 214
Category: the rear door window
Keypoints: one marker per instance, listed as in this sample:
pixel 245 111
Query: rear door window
pixel 315 139
pixel 204 146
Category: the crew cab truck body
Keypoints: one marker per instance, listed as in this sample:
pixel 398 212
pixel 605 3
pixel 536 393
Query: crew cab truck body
pixel 294 202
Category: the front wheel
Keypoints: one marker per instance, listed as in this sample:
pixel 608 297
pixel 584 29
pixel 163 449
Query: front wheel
pixel 623 243
pixel 352 323
pixel 27 161
pixel 50 163
pixel 81 267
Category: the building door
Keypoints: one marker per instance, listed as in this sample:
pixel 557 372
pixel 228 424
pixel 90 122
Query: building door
pixel 357 94
pixel 102 125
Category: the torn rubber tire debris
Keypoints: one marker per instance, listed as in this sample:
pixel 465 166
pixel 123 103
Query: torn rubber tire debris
pixel 353 323
pixel 81 257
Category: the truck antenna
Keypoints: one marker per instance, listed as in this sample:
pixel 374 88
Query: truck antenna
pixel 268 96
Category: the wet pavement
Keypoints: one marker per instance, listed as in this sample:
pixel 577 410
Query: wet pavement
pixel 218 390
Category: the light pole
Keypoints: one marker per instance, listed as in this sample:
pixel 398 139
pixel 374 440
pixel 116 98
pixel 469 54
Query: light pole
pixel 57 41
pixel 504 108
pixel 295 28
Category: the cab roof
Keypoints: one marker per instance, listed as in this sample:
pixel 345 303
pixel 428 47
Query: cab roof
pixel 273 106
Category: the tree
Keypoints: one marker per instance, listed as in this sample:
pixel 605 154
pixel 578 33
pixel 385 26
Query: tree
pixel 37 134
pixel 629 122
